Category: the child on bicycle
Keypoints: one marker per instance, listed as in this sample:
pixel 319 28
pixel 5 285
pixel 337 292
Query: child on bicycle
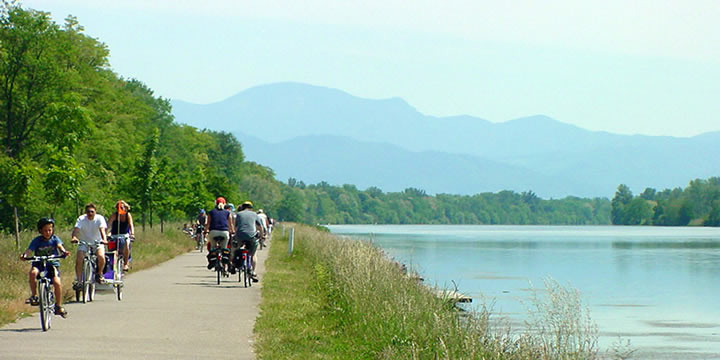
pixel 44 245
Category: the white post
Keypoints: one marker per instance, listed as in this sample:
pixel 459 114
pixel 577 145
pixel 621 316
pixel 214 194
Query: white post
pixel 283 227
pixel 291 240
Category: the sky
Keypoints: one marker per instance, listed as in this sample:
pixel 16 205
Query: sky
pixel 630 67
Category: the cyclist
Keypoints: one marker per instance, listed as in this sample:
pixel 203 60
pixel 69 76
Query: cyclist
pixel 44 245
pixel 249 230
pixel 121 223
pixel 231 208
pixel 219 224
pixel 200 225
pixel 265 222
pixel 89 228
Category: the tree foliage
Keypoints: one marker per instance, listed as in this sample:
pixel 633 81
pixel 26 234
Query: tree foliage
pixel 72 131
pixel 697 204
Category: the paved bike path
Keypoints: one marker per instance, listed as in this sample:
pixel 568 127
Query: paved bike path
pixel 174 310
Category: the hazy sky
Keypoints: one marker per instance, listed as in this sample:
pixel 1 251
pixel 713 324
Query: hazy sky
pixel 647 66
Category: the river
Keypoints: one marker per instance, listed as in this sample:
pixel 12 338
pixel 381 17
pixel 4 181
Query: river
pixel 658 287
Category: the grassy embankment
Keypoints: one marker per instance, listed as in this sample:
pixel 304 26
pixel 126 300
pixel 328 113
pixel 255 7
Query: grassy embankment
pixel 336 298
pixel 151 247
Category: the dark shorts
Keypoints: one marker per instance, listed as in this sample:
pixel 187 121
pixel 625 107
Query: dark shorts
pixel 52 269
pixel 250 245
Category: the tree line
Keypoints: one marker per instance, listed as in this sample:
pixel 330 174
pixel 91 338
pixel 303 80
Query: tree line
pixel 697 204
pixel 324 203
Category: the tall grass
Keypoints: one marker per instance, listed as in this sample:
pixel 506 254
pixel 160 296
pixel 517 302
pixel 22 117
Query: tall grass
pixel 150 247
pixel 360 305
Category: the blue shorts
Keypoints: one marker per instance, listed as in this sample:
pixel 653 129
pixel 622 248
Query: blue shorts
pixel 53 270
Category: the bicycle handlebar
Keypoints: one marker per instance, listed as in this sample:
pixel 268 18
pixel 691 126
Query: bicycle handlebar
pixel 94 243
pixel 47 257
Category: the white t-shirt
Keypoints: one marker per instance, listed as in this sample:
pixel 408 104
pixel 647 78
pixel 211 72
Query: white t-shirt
pixel 89 230
pixel 263 219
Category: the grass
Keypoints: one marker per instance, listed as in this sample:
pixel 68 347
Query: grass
pixel 151 247
pixel 337 298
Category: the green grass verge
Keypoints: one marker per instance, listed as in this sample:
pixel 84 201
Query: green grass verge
pixel 336 298
pixel 294 322
pixel 151 247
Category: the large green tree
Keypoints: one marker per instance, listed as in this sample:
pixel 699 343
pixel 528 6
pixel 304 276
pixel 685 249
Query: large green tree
pixel 44 73
pixel 620 202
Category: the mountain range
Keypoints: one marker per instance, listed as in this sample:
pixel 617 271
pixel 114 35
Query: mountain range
pixel 318 134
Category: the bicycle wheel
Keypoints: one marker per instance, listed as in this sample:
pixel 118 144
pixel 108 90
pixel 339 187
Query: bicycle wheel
pixel 91 293
pixel 51 303
pixel 218 269
pixel 118 277
pixel 248 272
pixel 44 316
pixel 87 279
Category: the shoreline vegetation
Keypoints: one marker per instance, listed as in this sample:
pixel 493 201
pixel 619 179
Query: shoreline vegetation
pixel 151 247
pixel 340 298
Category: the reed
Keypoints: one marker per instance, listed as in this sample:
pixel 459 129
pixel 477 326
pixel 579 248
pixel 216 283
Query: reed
pixel 151 247
pixel 344 298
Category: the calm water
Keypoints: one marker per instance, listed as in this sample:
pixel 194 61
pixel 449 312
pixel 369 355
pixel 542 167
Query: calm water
pixel 658 287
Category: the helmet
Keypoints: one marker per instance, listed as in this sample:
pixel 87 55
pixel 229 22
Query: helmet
pixel 260 211
pixel 44 221
pixel 220 200
pixel 202 211
pixel 246 205
pixel 232 207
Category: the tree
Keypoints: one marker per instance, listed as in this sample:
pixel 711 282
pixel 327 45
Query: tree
pixel 648 194
pixel 43 71
pixel 638 212
pixel 623 197
pixel 714 216
pixel 291 206
pixel 63 177
pixel 144 178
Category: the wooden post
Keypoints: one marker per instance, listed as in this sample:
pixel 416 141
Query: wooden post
pixel 17 228
pixel 291 241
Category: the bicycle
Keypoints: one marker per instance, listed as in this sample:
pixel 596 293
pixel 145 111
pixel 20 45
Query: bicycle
pixel 115 262
pixel 200 237
pixel 89 271
pixel 45 291
pixel 220 259
pixel 261 243
pixel 245 268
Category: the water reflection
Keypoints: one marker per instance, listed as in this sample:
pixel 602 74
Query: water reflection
pixel 698 244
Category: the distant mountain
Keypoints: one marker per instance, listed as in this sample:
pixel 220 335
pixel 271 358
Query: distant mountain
pixel 525 153
pixel 342 160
